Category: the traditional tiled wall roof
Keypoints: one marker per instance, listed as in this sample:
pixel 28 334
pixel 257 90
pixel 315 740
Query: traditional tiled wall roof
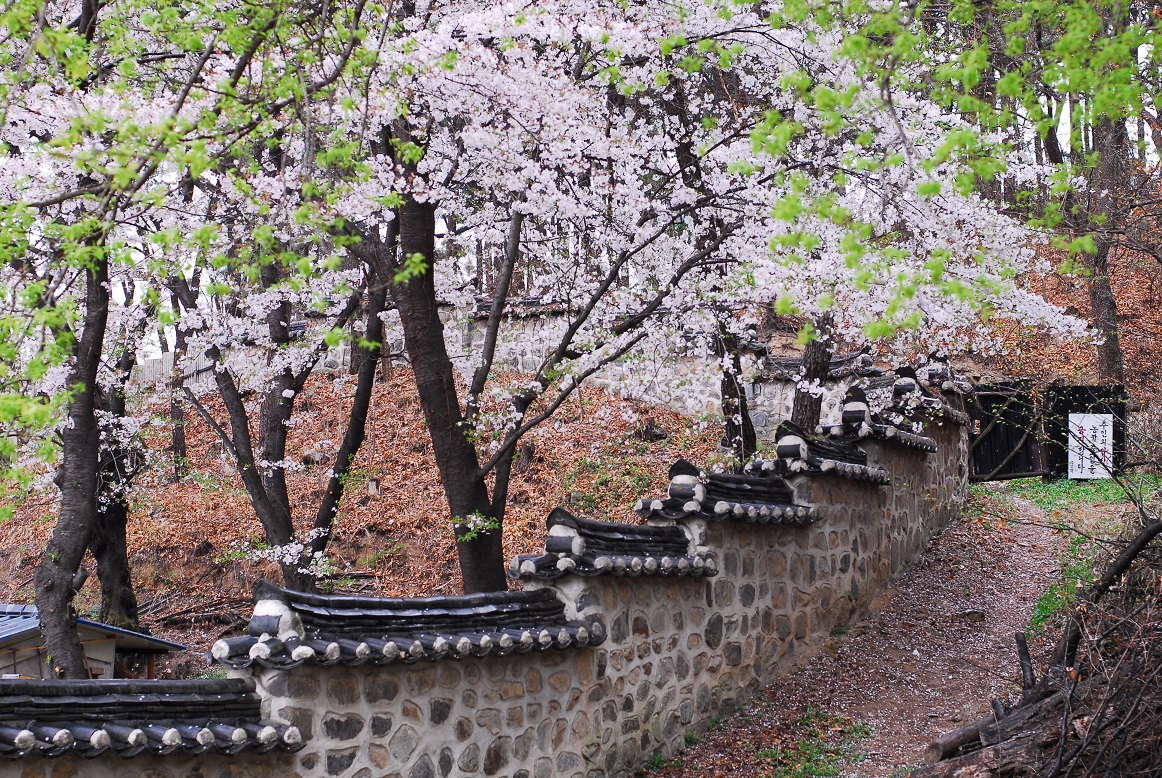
pixel 855 363
pixel 88 718
pixel 858 422
pixel 752 498
pixel 585 547
pixel 290 628
pixel 799 453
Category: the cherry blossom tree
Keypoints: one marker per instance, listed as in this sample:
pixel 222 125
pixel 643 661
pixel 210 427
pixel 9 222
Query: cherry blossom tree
pixel 1071 88
pixel 107 113
pixel 645 170
pixel 709 160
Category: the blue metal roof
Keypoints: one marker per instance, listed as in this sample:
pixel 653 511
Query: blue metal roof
pixel 16 621
pixel 19 621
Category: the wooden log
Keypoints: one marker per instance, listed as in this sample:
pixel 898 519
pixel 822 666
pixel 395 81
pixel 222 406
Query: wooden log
pixel 999 711
pixel 1019 755
pixel 950 743
pixel 1019 720
pixel 1028 677
pixel 988 731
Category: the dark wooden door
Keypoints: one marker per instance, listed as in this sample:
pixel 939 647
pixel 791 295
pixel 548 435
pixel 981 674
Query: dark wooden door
pixel 1006 432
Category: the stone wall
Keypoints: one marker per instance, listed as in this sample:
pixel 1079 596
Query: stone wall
pixel 678 653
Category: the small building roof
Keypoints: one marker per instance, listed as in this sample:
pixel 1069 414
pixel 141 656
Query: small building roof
pixel 20 622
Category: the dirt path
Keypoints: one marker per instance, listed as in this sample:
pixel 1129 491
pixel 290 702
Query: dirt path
pixel 938 649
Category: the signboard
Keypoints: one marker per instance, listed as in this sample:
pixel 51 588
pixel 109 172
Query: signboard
pixel 1091 445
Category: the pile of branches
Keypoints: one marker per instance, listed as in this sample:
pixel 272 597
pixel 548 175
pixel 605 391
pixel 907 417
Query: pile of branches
pixel 1096 710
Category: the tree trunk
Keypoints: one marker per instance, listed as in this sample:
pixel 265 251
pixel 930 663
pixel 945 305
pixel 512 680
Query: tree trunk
pixel 738 433
pixel 815 367
pixel 109 545
pixel 357 419
pixel 481 557
pixel 1110 176
pixel 1104 313
pixel 78 482
pixel 177 414
pixel 276 521
pixel 273 513
pixel 277 406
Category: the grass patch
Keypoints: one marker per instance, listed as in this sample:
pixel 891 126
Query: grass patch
pixel 826 744
pixel 596 483
pixel 988 507
pixel 1062 494
pixel 1066 505
pixel 1077 569
pixel 372 560
pixel 658 762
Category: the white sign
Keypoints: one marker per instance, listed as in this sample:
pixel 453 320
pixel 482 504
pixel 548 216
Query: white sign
pixel 1091 445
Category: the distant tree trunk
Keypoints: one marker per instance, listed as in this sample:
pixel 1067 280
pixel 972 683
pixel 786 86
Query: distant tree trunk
pixel 277 406
pixel 177 421
pixel 816 362
pixel 481 557
pixel 1112 144
pixel 177 413
pixel 178 453
pixel 1110 187
pixel 1104 312
pixel 738 433
pixel 359 353
pixel 110 549
pixel 78 483
pixel 273 514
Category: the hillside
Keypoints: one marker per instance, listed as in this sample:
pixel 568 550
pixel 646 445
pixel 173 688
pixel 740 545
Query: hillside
pixel 1137 285
pixel 186 539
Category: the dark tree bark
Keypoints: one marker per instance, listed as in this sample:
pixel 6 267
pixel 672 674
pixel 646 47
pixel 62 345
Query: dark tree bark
pixel 78 483
pixel 359 353
pixel 816 363
pixel 178 452
pixel 177 414
pixel 1110 176
pixel 481 557
pixel 275 411
pixel 109 547
pixel 738 433
pixel 357 419
pixel 109 544
pixel 1104 316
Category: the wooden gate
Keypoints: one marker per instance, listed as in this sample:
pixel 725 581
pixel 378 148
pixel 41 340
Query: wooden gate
pixel 1006 432
pixel 1020 432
